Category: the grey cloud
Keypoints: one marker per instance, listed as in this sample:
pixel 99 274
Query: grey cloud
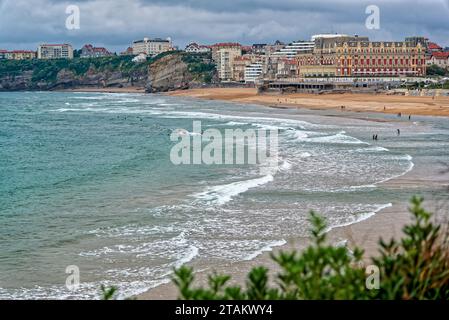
pixel 115 23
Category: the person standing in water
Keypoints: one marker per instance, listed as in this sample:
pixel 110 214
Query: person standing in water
pixel 399 132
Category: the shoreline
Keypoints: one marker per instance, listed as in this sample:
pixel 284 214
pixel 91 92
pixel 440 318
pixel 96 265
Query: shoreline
pixel 386 223
pixel 353 102
pixel 105 90
pixel 346 102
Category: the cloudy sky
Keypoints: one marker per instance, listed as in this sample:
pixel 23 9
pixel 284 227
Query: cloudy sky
pixel 116 23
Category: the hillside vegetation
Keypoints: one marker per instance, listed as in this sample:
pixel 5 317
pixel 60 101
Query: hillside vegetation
pixel 114 71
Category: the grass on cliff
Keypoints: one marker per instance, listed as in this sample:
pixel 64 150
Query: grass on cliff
pixel 415 267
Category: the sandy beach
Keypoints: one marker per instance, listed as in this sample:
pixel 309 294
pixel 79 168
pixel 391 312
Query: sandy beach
pixel 392 104
pixel 425 178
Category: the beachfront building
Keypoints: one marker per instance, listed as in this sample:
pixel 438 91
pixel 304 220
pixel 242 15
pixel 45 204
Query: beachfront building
pixel 286 68
pixel 17 55
pixel 55 51
pixel 89 51
pixel 239 66
pixel 152 47
pixel 224 55
pixel 297 47
pixel 440 59
pixel 197 48
pixel 345 56
pixel 253 72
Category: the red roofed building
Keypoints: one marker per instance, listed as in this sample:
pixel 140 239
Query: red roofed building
pixel 433 47
pixel 89 51
pixel 440 59
pixel 3 54
pixel 17 55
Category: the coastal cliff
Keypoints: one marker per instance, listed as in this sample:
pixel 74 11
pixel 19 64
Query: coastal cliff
pixel 169 71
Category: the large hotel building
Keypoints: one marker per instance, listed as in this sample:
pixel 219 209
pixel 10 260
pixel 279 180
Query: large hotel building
pixel 346 56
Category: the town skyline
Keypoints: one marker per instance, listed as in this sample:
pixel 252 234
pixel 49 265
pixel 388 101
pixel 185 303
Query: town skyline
pixel 109 23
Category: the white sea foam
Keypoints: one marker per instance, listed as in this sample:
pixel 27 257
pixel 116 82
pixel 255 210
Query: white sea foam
pixel 268 248
pixel 339 138
pixel 361 217
pixel 221 194
pixel 372 149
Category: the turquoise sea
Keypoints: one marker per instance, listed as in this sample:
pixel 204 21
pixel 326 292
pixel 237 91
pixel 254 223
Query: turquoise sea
pixel 86 180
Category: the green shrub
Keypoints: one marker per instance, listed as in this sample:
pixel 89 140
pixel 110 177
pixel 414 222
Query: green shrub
pixel 415 267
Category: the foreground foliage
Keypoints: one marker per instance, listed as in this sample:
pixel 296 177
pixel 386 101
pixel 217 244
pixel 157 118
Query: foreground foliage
pixel 414 267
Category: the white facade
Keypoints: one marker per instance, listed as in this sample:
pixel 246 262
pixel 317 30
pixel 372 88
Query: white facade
pixel 253 72
pixel 196 48
pixel 294 48
pixel 55 51
pixel 140 58
pixel 440 59
pixel 225 62
pixel 152 47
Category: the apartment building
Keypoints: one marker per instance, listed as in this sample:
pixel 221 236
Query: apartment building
pixel 224 55
pixel 345 56
pixel 55 51
pixel 297 47
pixel 239 66
pixel 286 68
pixel 253 72
pixel 152 47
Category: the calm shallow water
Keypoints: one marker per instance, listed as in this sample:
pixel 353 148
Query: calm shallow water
pixel 86 180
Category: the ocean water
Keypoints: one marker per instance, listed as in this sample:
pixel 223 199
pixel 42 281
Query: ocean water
pixel 86 180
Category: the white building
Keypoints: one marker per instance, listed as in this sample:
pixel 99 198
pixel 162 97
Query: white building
pixel 294 48
pixel 253 72
pixel 197 48
pixel 140 58
pixel 55 51
pixel 152 47
pixel 440 59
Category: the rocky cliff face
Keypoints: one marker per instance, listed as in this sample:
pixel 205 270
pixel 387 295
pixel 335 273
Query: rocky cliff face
pixel 66 79
pixel 167 73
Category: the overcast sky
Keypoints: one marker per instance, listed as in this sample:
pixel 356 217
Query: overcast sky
pixel 116 23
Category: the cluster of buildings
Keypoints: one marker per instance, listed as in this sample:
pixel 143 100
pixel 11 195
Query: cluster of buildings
pixel 146 47
pixel 323 56
pixel 438 56
pixel 327 56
